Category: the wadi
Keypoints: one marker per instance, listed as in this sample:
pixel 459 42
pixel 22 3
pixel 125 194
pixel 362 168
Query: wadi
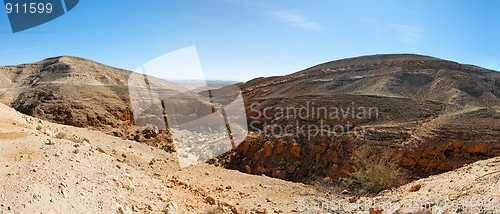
pixel 392 133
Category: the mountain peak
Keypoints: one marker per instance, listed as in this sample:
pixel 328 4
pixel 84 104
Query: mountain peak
pixel 377 59
pixel 68 60
pixel 388 57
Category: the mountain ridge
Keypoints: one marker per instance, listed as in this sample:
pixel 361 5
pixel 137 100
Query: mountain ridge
pixel 366 69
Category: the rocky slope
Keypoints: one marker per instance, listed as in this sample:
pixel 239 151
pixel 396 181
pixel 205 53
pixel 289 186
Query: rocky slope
pixel 77 92
pixel 437 115
pixel 469 189
pixel 398 75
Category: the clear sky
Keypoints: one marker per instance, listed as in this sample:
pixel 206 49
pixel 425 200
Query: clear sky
pixel 243 39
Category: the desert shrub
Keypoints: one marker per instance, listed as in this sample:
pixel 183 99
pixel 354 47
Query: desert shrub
pixel 375 170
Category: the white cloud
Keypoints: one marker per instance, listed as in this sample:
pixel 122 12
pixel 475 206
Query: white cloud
pixel 297 20
pixel 409 34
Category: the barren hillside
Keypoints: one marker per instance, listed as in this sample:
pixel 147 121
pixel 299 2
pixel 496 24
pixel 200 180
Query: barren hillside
pixel 77 92
pixel 437 114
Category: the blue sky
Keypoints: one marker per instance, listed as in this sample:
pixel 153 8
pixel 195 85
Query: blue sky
pixel 243 39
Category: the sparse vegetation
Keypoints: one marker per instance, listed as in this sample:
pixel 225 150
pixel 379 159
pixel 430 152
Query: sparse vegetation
pixel 374 170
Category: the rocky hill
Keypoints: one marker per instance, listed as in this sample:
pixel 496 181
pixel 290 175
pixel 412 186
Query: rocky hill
pixel 400 75
pixel 76 92
pixel 437 115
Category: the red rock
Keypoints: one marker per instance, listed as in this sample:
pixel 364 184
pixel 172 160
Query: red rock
pixel 375 211
pixel 333 170
pixel 280 147
pixel 210 200
pixel 267 149
pixel 415 187
pixel 477 148
pixel 244 148
pixel 295 150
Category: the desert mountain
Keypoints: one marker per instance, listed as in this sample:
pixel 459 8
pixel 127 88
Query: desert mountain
pixel 436 114
pixel 68 90
pixel 400 76
pixel 64 89
pixel 82 93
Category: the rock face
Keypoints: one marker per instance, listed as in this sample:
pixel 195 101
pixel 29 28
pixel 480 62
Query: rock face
pixel 437 115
